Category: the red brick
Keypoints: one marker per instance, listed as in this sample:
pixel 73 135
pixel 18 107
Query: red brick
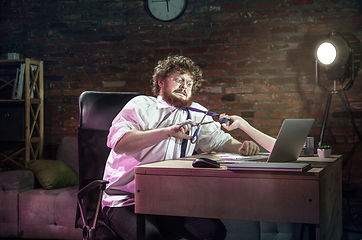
pixel 224 33
pixel 87 54
pixel 269 105
pixel 251 64
pixel 318 28
pixel 197 18
pixel 223 49
pixel 99 61
pixel 267 21
pixel 152 28
pixel 299 2
pixel 113 22
pixel 240 72
pixel 135 75
pixel 213 73
pixel 74 62
pixel 252 31
pixel 60 70
pixel 166 35
pixel 206 57
pixel 238 24
pixel 256 97
pixel 244 106
pixel 286 114
pixel 259 14
pixel 267 5
pixel 287 97
pixel 62 55
pixel 101 46
pixel 89 85
pixel 242 89
pixel 195 50
pixel 239 6
pixel 224 16
pixel 241 40
pixel 222 65
pixel 184 26
pixel 269 39
pixel 238 56
pixel 211 89
pixel 102 76
pixel 224 81
pixel 282 12
pixel 270 88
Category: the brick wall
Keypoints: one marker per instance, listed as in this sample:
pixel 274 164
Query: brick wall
pixel 257 58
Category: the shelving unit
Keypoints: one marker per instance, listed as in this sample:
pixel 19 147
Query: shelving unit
pixel 30 145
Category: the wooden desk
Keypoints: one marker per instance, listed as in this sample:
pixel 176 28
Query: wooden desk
pixel 314 197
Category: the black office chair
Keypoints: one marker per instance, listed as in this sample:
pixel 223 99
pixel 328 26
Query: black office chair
pixel 96 112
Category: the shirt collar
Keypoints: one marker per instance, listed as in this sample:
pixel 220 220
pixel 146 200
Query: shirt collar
pixel 162 104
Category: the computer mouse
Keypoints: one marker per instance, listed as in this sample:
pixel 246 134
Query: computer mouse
pixel 205 163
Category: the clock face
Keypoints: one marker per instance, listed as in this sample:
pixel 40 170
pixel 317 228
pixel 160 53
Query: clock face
pixel 166 10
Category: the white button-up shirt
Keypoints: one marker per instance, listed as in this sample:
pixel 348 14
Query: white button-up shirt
pixel 145 113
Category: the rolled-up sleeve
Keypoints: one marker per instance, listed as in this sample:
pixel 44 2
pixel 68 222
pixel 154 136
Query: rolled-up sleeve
pixel 126 120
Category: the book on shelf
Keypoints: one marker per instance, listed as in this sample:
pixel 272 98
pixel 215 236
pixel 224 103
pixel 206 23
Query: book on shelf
pixel 21 82
pixel 18 88
pixel 15 85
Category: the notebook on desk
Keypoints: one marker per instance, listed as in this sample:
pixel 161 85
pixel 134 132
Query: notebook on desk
pixel 288 144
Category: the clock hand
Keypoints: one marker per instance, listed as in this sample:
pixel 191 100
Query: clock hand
pixel 167 5
pixel 173 5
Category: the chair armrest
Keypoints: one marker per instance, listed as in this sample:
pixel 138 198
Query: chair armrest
pixel 96 183
pixel 101 185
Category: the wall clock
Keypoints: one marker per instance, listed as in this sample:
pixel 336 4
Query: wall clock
pixel 165 10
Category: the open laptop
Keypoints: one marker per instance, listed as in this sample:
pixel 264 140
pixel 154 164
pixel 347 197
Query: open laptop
pixel 289 142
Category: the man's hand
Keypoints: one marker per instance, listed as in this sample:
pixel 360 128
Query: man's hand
pixel 249 148
pixel 173 131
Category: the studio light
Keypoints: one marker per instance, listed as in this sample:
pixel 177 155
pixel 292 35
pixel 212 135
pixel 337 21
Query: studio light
pixel 340 55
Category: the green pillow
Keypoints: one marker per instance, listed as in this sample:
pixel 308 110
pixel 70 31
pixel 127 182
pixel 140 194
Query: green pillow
pixel 53 174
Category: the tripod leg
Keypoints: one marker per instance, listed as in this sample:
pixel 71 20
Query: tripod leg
pixel 350 117
pixel 326 111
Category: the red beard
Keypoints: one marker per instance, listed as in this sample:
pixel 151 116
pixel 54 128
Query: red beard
pixel 174 100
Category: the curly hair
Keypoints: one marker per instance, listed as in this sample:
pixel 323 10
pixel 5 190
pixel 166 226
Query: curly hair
pixel 179 63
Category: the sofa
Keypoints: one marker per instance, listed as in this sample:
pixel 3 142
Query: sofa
pixel 31 209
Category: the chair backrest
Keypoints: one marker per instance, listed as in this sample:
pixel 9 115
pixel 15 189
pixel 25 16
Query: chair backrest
pixel 96 113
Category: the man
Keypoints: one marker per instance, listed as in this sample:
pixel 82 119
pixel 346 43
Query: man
pixel 147 130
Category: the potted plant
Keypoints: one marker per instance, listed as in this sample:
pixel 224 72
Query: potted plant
pixel 13 51
pixel 324 151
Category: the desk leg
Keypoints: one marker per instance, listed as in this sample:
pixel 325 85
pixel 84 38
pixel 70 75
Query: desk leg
pixel 141 226
pixel 312 232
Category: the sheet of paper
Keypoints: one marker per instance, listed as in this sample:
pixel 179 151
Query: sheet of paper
pixel 235 156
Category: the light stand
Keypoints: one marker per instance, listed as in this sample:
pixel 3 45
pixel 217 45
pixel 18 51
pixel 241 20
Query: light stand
pixel 350 69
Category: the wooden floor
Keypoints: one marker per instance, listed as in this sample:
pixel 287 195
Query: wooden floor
pixel 352 218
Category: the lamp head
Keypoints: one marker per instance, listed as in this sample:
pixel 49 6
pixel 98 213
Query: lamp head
pixel 340 54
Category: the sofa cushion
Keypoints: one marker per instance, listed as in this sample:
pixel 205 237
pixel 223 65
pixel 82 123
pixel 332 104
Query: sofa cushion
pixel 53 174
pixel 49 213
pixel 11 184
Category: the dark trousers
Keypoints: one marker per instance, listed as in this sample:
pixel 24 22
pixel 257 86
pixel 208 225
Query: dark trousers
pixel 123 220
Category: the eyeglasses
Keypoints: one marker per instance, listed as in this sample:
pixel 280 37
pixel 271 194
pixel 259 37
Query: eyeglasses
pixel 182 81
